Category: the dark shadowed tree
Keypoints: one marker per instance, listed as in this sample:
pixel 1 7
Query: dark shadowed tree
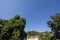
pixel 54 24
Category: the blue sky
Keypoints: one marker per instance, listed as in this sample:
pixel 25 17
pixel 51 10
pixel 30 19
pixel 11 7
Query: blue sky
pixel 36 12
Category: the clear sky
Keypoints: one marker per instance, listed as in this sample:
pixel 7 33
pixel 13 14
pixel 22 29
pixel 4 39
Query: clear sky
pixel 36 12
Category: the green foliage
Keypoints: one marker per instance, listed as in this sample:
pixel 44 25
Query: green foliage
pixel 32 33
pixel 11 29
pixel 54 24
pixel 41 35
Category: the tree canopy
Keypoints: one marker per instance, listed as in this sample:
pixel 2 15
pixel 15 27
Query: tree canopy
pixel 12 29
pixel 41 35
pixel 32 33
pixel 54 24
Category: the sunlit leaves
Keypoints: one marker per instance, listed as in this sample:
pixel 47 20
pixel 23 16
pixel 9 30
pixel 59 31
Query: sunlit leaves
pixel 11 29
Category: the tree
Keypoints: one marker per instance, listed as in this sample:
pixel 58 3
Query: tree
pixel 12 29
pixel 32 33
pixel 41 35
pixel 54 24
